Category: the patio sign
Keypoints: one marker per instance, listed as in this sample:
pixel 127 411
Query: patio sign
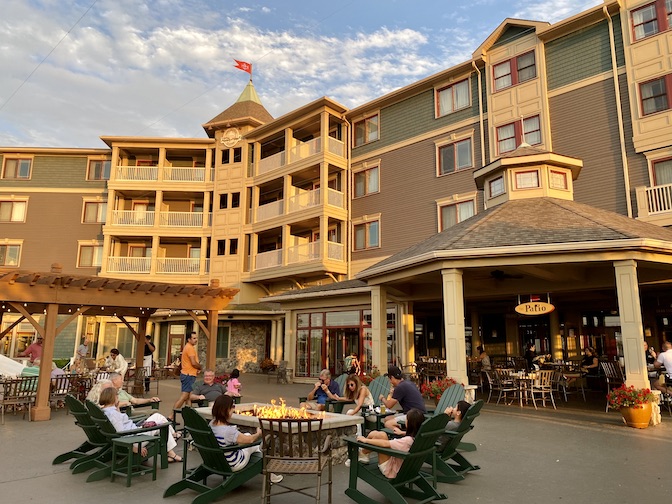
pixel 534 308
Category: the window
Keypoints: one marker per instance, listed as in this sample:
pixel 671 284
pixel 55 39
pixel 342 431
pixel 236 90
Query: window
pixel 17 168
pixel 98 170
pixel 367 235
pixel 651 19
pixel 13 211
pixel 221 247
pixel 654 94
pixel 223 201
pixel 235 200
pixel 496 186
pixel 558 180
pixel 456 156
pixel 366 130
pixel 94 212
pixel 511 135
pixel 452 98
pixel 233 246
pixel 514 71
pixel 237 154
pixel 458 212
pixel 527 179
pixel 662 172
pixel 9 255
pixel 90 256
pixel 226 156
pixel 223 335
pixel 366 182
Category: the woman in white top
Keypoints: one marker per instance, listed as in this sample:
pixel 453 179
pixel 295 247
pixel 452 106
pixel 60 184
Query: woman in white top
pixel 356 391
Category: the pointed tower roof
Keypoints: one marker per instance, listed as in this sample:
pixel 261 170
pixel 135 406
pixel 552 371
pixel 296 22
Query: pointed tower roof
pixel 247 110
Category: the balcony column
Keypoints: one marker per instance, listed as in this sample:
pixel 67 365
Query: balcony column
pixel 256 159
pixel 206 212
pixel 255 203
pixel 286 235
pixel 203 257
pixel 254 247
pixel 114 163
pixel 290 142
pixel 208 165
pixel 155 255
pixel 324 184
pixel 107 252
pixel 286 193
pixel 453 319
pixel 158 203
pixel 111 207
pixel 379 328
pixel 630 312
pixel 162 163
pixel 324 242
pixel 324 132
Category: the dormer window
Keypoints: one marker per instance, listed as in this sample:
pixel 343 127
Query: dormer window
pixel 527 179
pixel 496 186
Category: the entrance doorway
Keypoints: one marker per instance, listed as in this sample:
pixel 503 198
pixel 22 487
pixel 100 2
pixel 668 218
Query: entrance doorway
pixel 341 343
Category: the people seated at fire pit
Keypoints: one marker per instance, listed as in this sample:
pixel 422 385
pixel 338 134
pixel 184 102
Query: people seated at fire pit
pixel 208 390
pixel 233 386
pixel 228 434
pixel 126 399
pixel 324 389
pixel 388 465
pixel 357 392
pixel 109 402
pixel 405 394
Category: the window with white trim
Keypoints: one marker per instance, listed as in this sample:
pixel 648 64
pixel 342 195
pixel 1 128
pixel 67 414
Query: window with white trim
pixel 10 255
pixel 367 235
pixel 367 181
pixel 654 95
pixel 366 130
pixel 510 136
pixel 90 256
pixel 558 180
pixel 514 71
pixel 496 186
pixel 94 212
pixel 13 211
pixel 452 98
pixel 662 172
pixel 455 213
pixel 99 169
pixel 16 169
pixel 527 179
pixel 651 19
pixel 455 156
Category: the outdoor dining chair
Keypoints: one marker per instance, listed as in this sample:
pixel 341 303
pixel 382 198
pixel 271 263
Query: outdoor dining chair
pixel 543 386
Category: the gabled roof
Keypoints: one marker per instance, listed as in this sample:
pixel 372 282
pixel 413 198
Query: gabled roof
pixel 525 223
pixel 247 110
pixel 499 31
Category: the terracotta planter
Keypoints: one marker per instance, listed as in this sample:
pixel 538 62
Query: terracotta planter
pixel 638 418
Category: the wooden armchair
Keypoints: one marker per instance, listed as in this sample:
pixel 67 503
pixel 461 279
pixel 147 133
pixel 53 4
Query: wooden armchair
pixel 213 462
pixel 410 481
pixel 18 392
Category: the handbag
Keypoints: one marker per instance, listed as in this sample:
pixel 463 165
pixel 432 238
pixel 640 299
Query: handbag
pixel 177 369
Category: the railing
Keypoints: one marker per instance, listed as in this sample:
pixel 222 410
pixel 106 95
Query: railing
pixel 181 219
pixel 304 150
pixel 335 198
pixel 132 218
pixel 336 147
pixel 303 200
pixel 137 173
pixel 180 265
pixel 171 174
pixel 270 210
pixel 659 199
pixel 304 252
pixel 271 163
pixel 268 259
pixel 129 264
pixel 336 251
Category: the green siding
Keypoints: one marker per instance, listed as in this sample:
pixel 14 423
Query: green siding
pixel 512 33
pixel 56 172
pixel 415 116
pixel 583 54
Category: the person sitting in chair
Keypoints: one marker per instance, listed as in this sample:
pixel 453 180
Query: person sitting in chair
pixel 404 393
pixel 324 389
pixel 208 390
pixel 126 399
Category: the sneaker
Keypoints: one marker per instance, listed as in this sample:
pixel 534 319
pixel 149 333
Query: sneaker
pixel 364 457
pixel 276 478
pixel 347 463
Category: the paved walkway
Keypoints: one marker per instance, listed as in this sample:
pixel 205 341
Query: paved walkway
pixel 572 455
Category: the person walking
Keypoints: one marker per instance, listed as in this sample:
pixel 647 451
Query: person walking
pixel 147 360
pixel 190 369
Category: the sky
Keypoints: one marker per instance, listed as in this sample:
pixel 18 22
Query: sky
pixel 76 70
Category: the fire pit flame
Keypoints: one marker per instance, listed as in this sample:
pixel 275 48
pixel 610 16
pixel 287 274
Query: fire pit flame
pixel 280 410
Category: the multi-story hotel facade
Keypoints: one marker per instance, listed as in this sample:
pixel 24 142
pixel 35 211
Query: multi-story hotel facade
pixel 330 220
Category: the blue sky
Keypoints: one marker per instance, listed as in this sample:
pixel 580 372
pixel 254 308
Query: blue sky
pixel 73 71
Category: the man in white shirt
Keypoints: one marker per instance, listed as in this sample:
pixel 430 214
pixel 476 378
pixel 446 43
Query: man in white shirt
pixel 116 363
pixel 664 359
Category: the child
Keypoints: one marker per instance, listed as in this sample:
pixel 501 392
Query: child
pixel 233 386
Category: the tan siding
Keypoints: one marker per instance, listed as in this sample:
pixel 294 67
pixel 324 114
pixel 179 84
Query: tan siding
pixel 584 125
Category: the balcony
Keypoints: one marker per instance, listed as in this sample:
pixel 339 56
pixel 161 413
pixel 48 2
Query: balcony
pixel 269 259
pixel 271 163
pixel 120 264
pixel 297 254
pixel 164 265
pixel 132 218
pixel 654 204
pixel 182 219
pixel 303 200
pixel 303 253
pixel 179 265
pixel 270 210
pixel 163 174
pixel 336 147
pixel 304 150
pixel 166 219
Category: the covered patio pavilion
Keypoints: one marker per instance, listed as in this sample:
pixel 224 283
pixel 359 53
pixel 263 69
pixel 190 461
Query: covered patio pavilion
pixel 54 293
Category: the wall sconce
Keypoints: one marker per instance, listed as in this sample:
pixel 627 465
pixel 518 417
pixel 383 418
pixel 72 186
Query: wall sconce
pixel 647 332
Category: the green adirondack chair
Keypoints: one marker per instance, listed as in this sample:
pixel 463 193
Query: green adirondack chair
pixel 94 451
pixel 450 397
pixel 410 481
pixel 108 431
pixel 214 462
pixel 379 386
pixel 450 464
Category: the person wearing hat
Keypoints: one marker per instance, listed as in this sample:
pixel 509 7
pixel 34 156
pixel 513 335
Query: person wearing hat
pixel 34 350
pixel 405 394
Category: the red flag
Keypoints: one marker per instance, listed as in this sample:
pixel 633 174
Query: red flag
pixel 244 66
pixel 534 297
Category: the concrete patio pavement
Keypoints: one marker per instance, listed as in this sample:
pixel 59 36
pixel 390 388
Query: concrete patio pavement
pixel 567 455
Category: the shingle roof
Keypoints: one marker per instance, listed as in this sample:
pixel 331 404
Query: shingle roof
pixel 347 284
pixel 248 105
pixel 533 221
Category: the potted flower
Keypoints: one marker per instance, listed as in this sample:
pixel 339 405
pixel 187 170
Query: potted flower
pixel 633 403
pixel 434 389
pixel 267 365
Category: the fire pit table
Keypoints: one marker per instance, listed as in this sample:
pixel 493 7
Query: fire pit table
pixel 333 424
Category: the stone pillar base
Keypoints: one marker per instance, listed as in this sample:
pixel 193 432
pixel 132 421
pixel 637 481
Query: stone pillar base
pixel 40 413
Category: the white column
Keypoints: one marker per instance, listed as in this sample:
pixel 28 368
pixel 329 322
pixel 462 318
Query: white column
pixel 274 335
pixel 379 328
pixel 632 333
pixel 453 319
pixel 279 354
pixel 290 341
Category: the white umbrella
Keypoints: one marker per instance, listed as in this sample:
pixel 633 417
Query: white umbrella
pixel 9 367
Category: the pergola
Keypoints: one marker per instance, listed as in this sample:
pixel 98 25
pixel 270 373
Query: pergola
pixel 54 293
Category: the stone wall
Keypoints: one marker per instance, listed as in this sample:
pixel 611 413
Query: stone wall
pixel 247 347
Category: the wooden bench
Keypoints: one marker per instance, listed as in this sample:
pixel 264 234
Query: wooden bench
pixel 18 392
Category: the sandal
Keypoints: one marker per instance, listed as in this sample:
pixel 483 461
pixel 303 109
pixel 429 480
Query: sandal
pixel 172 459
pixel 177 435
